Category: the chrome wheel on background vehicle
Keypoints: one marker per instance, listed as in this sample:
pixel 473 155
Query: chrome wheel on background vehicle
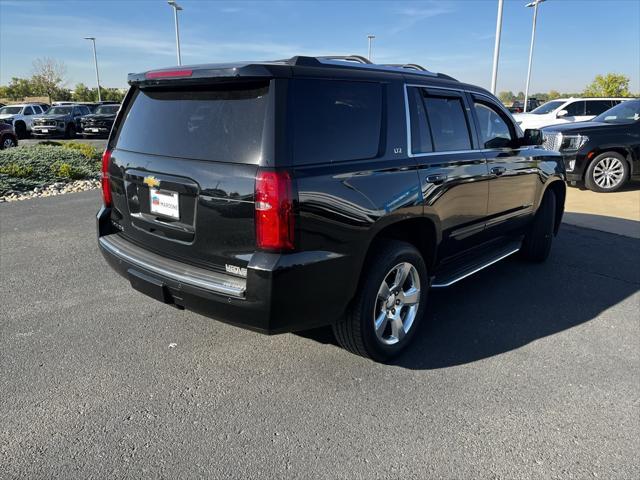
pixel 608 173
pixel 8 143
pixel 397 303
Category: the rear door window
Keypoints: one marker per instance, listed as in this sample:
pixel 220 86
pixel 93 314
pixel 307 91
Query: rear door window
pixel 335 121
pixel 421 141
pixel 221 123
pixel 575 109
pixel 448 122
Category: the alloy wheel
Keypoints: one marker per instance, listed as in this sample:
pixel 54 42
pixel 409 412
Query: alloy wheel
pixel 608 172
pixel 397 303
pixel 8 143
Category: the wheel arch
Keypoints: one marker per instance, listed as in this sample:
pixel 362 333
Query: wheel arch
pixel 421 232
pixel 559 188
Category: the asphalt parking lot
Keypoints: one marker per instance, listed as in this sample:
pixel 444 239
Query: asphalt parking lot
pixel 523 371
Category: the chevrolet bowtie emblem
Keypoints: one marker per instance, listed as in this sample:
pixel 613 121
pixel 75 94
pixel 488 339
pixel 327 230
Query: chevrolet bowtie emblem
pixel 151 181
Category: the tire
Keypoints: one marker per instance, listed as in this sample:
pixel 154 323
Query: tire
pixel 536 245
pixel 71 131
pixel 21 130
pixel 398 317
pixel 608 172
pixel 7 142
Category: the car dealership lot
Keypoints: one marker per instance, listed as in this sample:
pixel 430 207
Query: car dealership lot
pixel 99 381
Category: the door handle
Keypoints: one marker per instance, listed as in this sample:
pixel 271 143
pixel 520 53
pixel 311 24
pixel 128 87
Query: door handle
pixel 498 170
pixel 436 178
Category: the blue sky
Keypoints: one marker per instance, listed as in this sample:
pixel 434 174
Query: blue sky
pixel 576 39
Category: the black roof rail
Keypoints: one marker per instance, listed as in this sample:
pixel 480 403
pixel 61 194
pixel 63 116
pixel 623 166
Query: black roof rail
pixel 410 66
pixel 347 58
pixel 318 61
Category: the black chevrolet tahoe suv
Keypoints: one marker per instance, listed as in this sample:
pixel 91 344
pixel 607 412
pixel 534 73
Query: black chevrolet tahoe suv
pixel 285 195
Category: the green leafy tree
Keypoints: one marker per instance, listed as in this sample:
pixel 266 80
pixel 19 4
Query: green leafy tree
pixel 19 88
pixel 609 85
pixel 507 97
pixel 82 93
pixel 112 94
pixel 553 94
pixel 520 96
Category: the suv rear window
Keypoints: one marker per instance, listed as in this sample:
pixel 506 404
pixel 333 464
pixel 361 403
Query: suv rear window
pixel 335 120
pixel 222 123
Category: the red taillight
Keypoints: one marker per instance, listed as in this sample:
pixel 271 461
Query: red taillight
pixel 274 210
pixel 104 178
pixel 168 74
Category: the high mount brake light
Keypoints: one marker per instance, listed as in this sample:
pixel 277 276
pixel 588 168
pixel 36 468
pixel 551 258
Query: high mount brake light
pixel 104 178
pixel 274 211
pixel 168 74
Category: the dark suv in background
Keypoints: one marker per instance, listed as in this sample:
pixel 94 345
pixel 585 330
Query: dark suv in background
pixel 285 195
pixel 604 153
pixel 59 121
pixel 99 122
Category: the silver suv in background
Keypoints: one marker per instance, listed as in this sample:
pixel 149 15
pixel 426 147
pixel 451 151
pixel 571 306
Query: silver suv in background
pixel 20 116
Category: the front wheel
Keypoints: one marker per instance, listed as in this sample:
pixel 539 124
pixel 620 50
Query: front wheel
pixel 389 304
pixel 607 172
pixel 8 142
pixel 536 245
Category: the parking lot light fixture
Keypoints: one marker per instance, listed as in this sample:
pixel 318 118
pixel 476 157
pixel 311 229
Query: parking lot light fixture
pixel 496 48
pixel 176 8
pixel 533 4
pixel 95 60
pixel 370 38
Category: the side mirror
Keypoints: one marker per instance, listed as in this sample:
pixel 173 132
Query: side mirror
pixel 532 136
pixel 562 113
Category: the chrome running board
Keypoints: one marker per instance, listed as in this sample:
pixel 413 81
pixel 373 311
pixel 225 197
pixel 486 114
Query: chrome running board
pixel 450 276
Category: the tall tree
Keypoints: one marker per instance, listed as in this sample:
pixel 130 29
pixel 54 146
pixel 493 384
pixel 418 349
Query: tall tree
pixel 609 85
pixel 48 76
pixel 553 94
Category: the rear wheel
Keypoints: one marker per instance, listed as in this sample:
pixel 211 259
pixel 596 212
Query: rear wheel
pixel 607 173
pixel 536 245
pixel 389 304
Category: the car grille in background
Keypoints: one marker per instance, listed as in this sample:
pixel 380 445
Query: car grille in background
pixel 45 123
pixel 551 141
pixel 96 123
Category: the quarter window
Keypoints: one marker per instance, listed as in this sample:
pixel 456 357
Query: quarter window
pixel 596 107
pixel 335 120
pixel 494 130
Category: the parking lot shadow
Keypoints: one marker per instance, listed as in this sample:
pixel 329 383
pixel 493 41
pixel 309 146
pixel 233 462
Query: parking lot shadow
pixel 514 302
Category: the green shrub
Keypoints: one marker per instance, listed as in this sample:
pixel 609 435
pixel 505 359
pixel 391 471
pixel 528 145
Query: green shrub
pixel 16 170
pixel 26 167
pixel 87 150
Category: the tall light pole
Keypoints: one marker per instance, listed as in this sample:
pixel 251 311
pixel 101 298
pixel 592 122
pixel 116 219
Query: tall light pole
pixel 496 48
pixel 533 4
pixel 176 8
pixel 95 60
pixel 370 37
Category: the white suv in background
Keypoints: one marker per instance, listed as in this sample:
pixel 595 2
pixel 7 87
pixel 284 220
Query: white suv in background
pixel 565 110
pixel 20 116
